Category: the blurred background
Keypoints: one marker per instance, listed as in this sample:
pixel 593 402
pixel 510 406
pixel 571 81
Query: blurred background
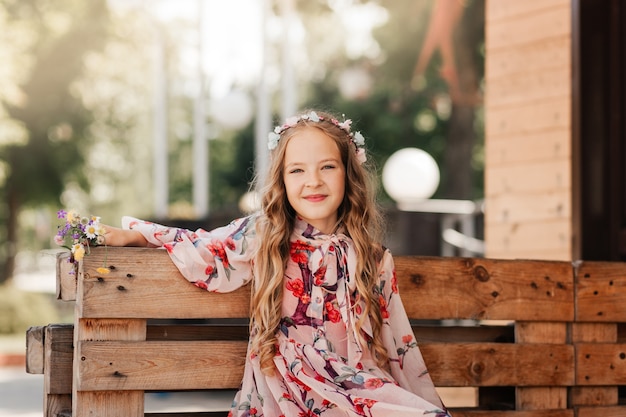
pixel 160 109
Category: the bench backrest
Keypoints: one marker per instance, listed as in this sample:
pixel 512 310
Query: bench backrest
pixel 542 337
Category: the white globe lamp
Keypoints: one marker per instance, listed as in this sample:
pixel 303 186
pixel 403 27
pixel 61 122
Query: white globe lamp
pixel 410 175
pixel 233 111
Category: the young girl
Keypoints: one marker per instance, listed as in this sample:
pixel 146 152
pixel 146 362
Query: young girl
pixel 329 334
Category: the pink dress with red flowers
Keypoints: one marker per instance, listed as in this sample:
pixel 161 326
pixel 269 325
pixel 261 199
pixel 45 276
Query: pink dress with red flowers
pixel 322 370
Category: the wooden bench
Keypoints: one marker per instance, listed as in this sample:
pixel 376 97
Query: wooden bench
pixel 527 338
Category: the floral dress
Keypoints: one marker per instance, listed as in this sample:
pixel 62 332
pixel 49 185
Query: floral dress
pixel 322 369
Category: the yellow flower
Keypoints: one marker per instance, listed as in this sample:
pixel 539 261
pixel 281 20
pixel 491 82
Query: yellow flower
pixel 79 251
pixel 102 270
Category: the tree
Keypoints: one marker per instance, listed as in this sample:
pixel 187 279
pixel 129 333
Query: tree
pixel 55 118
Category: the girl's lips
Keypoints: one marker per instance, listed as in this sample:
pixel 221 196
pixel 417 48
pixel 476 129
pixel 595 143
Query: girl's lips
pixel 315 198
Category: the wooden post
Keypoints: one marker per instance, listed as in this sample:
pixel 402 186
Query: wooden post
pixel 599 307
pixel 101 403
pixel 57 362
pixel 540 398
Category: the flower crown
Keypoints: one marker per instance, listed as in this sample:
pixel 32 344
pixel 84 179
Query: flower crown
pixel 355 137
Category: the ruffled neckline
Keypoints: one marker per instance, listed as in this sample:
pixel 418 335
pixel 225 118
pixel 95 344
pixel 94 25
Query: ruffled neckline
pixel 310 232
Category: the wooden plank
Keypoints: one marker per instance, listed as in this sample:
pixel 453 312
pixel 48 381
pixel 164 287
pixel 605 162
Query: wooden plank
pixel 526 413
pixel 501 292
pixel 528 29
pixel 144 283
pixel 107 403
pixel 542 206
pixel 594 333
pixel 502 63
pixel 161 365
pixel 601 294
pixel 476 288
pixel 530 253
pixel 534 238
pixel 35 350
pixel 66 277
pixel 546 145
pixel 528 179
pixel 529 117
pixel 57 385
pixel 530 87
pixel 59 354
pixel 154 365
pixel 57 405
pixel 507 9
pixel 601 411
pixel 600 364
pixel 546 397
pixel 499 364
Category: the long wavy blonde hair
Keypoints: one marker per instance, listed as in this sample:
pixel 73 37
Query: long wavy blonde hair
pixel 359 215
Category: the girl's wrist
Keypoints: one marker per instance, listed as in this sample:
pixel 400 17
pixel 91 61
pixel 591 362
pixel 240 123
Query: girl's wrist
pixel 135 238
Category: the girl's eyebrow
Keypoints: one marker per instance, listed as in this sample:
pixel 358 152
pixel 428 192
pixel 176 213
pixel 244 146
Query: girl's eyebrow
pixel 323 161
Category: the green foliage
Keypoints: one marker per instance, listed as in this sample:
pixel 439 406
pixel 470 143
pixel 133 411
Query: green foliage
pixel 55 36
pixel 20 309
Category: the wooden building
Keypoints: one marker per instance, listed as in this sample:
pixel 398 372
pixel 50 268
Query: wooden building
pixel 555 107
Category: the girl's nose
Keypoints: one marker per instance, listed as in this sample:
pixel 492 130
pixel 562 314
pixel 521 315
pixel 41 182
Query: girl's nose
pixel 314 179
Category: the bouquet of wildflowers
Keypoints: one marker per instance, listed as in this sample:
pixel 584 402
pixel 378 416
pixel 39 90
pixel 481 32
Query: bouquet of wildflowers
pixel 79 234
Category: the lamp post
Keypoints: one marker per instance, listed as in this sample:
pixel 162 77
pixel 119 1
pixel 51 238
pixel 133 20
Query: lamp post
pixel 411 177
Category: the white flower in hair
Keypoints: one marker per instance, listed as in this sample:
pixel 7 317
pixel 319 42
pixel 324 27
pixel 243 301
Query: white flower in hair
pixel 358 139
pixel 272 140
pixel 355 137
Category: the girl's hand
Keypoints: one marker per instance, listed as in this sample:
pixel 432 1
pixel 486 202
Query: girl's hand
pixel 115 236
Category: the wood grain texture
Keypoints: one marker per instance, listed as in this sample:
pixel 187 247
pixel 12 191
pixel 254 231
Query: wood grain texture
pixel 464 288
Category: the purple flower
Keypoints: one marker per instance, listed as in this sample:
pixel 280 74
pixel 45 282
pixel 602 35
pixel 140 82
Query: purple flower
pixel 61 214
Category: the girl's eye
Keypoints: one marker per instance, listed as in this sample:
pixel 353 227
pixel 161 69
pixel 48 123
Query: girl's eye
pixel 295 171
pixel 328 167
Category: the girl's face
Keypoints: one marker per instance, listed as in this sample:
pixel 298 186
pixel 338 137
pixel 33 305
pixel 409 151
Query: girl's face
pixel 314 177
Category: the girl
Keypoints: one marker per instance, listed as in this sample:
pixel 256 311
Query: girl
pixel 328 335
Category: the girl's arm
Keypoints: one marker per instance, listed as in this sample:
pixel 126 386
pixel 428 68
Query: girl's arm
pixel 115 236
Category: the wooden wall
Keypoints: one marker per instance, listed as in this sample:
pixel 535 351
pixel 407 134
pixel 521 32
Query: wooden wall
pixel 528 183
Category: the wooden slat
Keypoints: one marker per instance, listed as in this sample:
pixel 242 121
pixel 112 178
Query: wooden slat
pixel 144 283
pixel 542 206
pixel 546 145
pixel 545 397
pixel 161 365
pixel 155 365
pixel 59 354
pixel 526 413
pixel 35 350
pixel 491 364
pixel 501 63
pixel 526 29
pixel 57 369
pixel 508 290
pixel 535 239
pixel 594 333
pixel 66 277
pixel 529 178
pixel 601 294
pixel 531 87
pixel 499 10
pixel 110 403
pixel 485 289
pixel 601 364
pixel 601 411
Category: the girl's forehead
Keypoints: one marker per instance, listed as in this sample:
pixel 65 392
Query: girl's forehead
pixel 310 142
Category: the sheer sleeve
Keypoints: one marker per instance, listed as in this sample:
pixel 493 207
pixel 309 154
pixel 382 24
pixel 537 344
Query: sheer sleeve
pixel 406 362
pixel 219 260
